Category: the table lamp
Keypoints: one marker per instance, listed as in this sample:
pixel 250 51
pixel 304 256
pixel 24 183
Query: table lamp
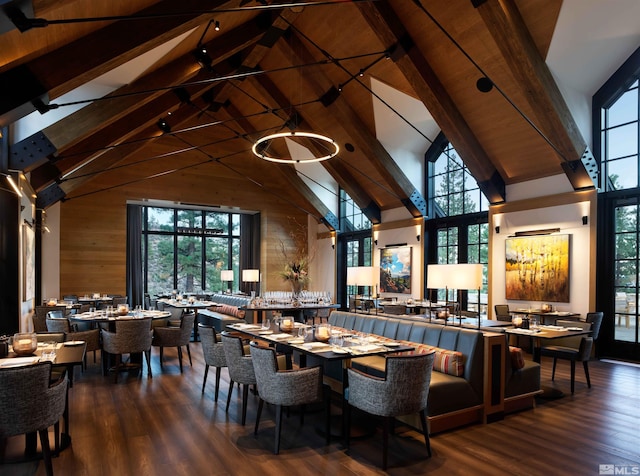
pixel 467 276
pixel 226 275
pixel 251 276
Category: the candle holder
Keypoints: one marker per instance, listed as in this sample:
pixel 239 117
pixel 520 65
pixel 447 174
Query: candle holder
pixel 322 333
pixel 25 343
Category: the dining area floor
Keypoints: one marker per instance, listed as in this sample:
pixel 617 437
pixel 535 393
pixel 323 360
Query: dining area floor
pixel 164 425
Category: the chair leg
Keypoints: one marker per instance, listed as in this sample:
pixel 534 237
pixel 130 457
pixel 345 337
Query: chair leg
pixel 147 354
pixel 385 441
pixel 425 431
pixel 229 394
pixel 553 370
pixel 204 381
pixel 573 376
pixel 278 428
pixel 46 451
pixel 189 354
pixel 255 429
pixel 117 368
pixel 327 409
pixel 245 397
pixel 585 364
pixel 161 352
pixel 56 438
pixel 180 357
pixel 347 426
pixel 218 369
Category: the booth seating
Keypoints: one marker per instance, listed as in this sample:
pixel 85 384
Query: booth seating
pixel 226 312
pixel 469 382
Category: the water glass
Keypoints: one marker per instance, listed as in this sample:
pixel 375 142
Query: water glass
pixel 92 311
pixel 266 324
pixel 303 331
pixel 48 352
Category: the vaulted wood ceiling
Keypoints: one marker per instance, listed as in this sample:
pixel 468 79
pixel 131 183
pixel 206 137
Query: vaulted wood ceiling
pixel 275 68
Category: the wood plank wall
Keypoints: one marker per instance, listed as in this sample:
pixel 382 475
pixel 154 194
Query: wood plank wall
pixel 93 226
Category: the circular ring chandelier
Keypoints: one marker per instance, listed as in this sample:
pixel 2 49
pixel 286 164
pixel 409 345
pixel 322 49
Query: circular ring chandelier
pixel 305 160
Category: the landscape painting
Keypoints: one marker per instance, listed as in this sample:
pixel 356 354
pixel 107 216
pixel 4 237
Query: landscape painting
pixel 537 268
pixel 395 270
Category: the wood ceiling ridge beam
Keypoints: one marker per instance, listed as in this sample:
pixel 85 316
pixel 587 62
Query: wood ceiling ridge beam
pixel 508 29
pixel 416 69
pixel 358 130
pixel 115 44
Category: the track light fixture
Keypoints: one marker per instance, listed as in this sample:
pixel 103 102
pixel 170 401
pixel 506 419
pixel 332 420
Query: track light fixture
pixel 202 57
pixel 163 125
pixel 13 184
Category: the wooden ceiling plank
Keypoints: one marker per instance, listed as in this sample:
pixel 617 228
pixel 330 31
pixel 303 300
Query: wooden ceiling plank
pixel 389 28
pixel 508 29
pixel 338 171
pixel 116 44
pixel 358 130
pixel 100 114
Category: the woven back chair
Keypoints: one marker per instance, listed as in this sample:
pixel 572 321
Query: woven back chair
pixel 175 337
pixel 240 368
pixel 29 403
pixel 213 352
pixel 131 336
pixel 403 391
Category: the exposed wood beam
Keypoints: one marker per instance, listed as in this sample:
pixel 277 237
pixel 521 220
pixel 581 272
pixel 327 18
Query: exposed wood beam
pixel 554 119
pixel 343 113
pixel 419 73
pixel 117 43
pixel 100 114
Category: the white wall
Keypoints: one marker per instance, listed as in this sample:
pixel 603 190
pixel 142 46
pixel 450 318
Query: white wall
pixel 568 218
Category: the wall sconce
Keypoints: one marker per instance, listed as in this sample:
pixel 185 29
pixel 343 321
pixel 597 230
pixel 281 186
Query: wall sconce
pixel 498 229
pixel 375 238
pixel 585 220
pixel 418 229
pixel 333 242
pixel 418 238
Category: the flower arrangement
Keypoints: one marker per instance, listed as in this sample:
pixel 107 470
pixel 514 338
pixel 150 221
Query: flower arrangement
pixel 296 267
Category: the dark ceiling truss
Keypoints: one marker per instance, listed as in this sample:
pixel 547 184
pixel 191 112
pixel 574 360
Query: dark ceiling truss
pixel 389 28
pixel 338 107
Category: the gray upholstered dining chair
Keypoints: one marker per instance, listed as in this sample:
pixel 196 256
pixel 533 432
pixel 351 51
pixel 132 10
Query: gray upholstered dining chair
pixel 575 349
pixel 178 337
pixel 286 388
pixel 63 324
pixel 403 391
pixel 240 368
pixel 131 336
pixel 213 351
pixel 30 403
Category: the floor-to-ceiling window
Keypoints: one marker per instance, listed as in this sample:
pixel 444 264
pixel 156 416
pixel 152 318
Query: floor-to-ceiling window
pixel 616 135
pixel 186 249
pixel 458 227
pixel 355 242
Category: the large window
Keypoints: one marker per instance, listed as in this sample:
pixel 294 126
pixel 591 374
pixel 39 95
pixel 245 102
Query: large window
pixel 459 222
pixel 186 249
pixel 619 136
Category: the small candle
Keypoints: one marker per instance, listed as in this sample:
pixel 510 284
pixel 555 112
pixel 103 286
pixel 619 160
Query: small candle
pixel 517 321
pixel 24 342
pixel 323 331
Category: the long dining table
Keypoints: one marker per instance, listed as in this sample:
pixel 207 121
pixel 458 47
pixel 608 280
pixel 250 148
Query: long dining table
pixel 354 344
pixel 188 305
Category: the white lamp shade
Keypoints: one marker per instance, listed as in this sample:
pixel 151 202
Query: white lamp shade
pixel 467 276
pixel 226 275
pixel 251 275
pixel 454 276
pixel 361 276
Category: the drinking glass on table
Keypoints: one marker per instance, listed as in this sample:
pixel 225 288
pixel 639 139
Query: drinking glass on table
pixel 266 323
pixel 303 331
pixel 92 311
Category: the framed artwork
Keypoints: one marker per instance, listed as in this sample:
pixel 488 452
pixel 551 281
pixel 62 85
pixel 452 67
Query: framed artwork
pixel 28 262
pixel 537 268
pixel 395 270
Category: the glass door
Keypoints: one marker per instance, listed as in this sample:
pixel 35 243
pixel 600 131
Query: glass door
pixel 626 262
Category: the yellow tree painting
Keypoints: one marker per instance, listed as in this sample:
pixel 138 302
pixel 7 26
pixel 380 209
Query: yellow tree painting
pixel 537 268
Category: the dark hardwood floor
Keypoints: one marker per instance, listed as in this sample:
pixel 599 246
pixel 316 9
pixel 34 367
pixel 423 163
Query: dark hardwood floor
pixel 164 426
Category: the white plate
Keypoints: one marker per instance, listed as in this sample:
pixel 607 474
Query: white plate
pixel 296 341
pixel 574 328
pixel 338 350
pixel 72 343
pixel 391 344
pixel 265 333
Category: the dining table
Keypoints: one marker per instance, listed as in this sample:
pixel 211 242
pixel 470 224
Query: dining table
pixel 285 308
pixel 545 333
pixel 547 317
pixel 351 345
pixel 189 305
pixel 67 356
